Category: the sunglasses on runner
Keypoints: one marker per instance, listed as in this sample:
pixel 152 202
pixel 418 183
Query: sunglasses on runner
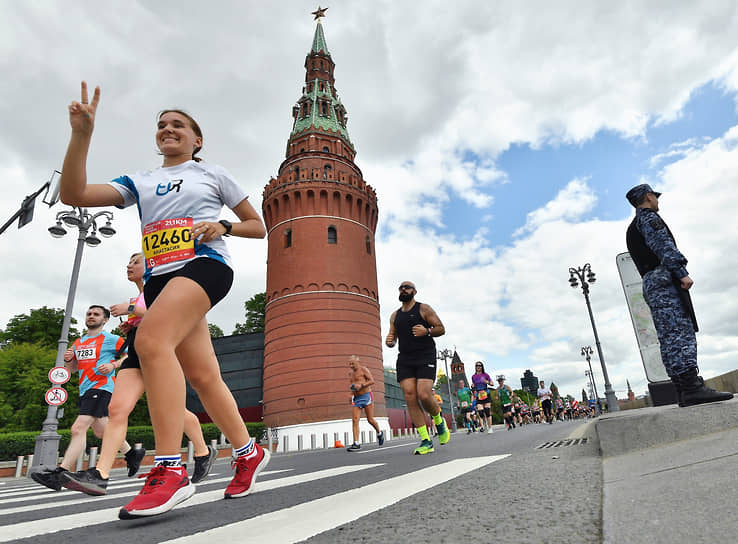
pixel 406 287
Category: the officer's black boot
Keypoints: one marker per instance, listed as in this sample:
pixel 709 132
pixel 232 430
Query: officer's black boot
pixel 678 386
pixel 694 390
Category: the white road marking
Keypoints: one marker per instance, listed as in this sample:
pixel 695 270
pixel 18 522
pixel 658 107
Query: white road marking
pixel 305 520
pixel 42 492
pixel 382 448
pixel 85 519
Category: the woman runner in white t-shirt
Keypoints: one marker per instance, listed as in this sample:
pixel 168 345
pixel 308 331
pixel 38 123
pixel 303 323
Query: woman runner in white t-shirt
pixel 187 272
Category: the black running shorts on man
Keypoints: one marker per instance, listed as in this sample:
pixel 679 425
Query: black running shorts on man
pixel 95 403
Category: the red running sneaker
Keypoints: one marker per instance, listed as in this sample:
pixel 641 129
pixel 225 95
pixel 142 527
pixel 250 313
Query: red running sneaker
pixel 163 490
pixel 246 472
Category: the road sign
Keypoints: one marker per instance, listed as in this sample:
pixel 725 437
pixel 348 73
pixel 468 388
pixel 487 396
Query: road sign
pixel 640 315
pixel 59 375
pixel 56 396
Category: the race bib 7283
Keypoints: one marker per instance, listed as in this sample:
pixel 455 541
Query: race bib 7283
pixel 167 241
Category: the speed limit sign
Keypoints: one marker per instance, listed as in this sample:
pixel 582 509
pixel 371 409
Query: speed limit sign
pixel 56 396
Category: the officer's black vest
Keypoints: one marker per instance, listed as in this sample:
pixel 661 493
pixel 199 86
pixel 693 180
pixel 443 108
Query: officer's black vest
pixel 644 259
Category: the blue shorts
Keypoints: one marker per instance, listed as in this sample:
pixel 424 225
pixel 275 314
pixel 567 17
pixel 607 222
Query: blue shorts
pixel 362 401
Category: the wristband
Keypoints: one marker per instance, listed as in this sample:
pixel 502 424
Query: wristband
pixel 429 332
pixel 228 226
pixel 131 308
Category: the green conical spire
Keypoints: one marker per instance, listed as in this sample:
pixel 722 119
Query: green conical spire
pixel 319 41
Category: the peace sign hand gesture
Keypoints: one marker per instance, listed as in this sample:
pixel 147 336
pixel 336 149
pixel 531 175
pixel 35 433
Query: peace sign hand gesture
pixel 82 114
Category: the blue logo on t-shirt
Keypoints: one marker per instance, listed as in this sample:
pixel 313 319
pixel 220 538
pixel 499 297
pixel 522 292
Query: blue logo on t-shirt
pixel 162 189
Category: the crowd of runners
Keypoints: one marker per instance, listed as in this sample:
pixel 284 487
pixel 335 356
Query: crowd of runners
pixel 475 404
pixel 183 270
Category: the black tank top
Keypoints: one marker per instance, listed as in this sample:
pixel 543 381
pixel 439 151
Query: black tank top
pixel 413 347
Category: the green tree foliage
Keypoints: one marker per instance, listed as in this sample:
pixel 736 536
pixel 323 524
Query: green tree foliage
pixel 255 310
pixel 215 331
pixel 24 378
pixel 42 326
pixel 24 370
pixel 116 331
pixel 525 396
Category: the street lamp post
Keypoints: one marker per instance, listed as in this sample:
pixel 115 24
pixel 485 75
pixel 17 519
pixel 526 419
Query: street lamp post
pixel 445 354
pixel 587 354
pixel 46 450
pixel 585 276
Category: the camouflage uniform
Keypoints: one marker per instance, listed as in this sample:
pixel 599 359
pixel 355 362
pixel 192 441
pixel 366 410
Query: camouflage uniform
pixel 673 324
pixel 662 266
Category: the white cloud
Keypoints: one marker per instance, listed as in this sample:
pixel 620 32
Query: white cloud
pixel 571 203
pixel 425 90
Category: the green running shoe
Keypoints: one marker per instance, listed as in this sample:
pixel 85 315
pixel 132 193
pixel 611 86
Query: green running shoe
pixel 443 434
pixel 426 446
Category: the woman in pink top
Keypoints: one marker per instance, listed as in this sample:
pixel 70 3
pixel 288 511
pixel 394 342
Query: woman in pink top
pixel 129 387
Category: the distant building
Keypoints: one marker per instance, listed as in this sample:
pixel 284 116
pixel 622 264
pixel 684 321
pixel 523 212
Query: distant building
pixel 529 382
pixel 457 372
pixel 241 360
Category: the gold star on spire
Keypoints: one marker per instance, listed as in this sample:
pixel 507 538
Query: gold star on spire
pixel 320 12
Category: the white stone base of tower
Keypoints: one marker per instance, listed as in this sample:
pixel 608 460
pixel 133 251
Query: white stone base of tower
pixel 323 434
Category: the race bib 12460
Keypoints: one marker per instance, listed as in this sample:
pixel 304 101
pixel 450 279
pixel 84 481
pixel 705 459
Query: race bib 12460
pixel 167 241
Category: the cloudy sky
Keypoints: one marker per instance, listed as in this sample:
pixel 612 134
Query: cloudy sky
pixel 501 138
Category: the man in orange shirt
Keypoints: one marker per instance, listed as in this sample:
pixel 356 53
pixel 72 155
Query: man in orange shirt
pixel 94 356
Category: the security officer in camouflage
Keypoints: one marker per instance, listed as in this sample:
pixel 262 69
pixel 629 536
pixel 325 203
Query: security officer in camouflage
pixel 666 284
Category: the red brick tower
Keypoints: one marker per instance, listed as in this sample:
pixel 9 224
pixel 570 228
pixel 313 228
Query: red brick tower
pixel 322 299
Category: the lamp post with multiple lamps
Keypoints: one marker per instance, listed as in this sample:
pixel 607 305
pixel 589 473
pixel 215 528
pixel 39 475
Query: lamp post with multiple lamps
pixel 587 354
pixel 46 451
pixel 445 354
pixel 584 276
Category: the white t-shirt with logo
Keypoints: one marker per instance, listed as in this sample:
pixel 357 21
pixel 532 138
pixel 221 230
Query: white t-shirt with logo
pixel 170 200
pixel 544 393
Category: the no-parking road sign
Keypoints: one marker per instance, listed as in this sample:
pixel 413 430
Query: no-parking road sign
pixel 56 396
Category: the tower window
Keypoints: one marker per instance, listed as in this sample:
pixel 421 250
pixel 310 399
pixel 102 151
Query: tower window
pixel 368 246
pixel 326 171
pixel 288 238
pixel 332 235
pixel 325 149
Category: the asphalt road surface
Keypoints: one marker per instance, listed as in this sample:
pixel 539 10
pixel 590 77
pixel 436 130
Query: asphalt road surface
pixel 538 484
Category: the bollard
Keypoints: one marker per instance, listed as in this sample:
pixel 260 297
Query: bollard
pixel 19 466
pixel 191 454
pixel 299 442
pixel 286 444
pixel 92 461
pixel 363 437
pixel 269 438
pixel 222 439
pixel 137 446
pixel 29 463
pixel 335 437
pixel 371 436
pixel 80 460
pixel 325 441
pixel 346 439
pixel 313 441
